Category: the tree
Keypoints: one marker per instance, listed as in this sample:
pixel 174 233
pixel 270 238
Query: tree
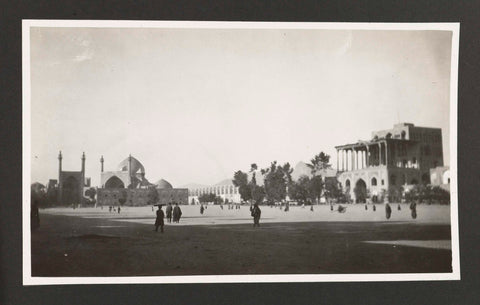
pixel 428 193
pixel 317 164
pixel 440 195
pixel 276 180
pixel 90 193
pixel 258 193
pixel 123 197
pixel 249 190
pixel 253 168
pixel 240 180
pixel 332 190
pixel 299 190
pixel 38 193
pixel 315 188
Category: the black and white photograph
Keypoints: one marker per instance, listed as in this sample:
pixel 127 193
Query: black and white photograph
pixel 233 152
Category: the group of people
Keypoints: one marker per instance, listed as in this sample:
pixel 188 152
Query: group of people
pixel 388 210
pixel 110 208
pixel 172 212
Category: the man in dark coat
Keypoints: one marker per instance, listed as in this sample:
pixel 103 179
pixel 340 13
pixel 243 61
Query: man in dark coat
pixel 388 211
pixel 413 208
pixel 177 213
pixel 169 212
pixel 256 212
pixel 159 221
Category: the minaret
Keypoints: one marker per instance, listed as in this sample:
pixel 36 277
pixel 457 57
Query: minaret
pixel 101 162
pixel 83 164
pixel 59 165
pixel 129 169
pixel 82 183
pixel 60 177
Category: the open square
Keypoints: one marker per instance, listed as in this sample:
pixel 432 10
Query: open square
pixel 95 242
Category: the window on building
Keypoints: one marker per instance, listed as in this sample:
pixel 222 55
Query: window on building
pixel 374 181
pixel 383 182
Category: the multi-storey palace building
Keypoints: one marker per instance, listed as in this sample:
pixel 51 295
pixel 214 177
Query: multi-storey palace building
pixel 393 158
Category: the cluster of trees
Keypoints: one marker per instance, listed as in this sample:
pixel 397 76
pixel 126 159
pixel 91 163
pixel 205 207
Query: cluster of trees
pixel 249 190
pixel 49 197
pixel 428 194
pixel 278 183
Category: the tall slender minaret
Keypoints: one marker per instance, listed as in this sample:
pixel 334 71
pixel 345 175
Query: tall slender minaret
pixel 83 163
pixel 82 183
pixel 101 162
pixel 129 169
pixel 59 165
pixel 60 184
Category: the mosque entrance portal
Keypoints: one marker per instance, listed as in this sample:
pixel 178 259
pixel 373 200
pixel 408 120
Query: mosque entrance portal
pixel 114 182
pixel 70 191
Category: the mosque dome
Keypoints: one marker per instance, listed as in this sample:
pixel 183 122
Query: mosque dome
pixel 137 167
pixel 163 184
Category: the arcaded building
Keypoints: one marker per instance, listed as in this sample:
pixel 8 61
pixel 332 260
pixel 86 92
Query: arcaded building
pixel 392 158
pixel 224 189
pixel 128 186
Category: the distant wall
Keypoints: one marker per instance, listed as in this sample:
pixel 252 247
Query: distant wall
pixel 140 197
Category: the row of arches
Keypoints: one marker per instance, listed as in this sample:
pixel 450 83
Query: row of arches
pixel 393 181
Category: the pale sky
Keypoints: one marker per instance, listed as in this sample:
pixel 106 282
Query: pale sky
pixel 195 105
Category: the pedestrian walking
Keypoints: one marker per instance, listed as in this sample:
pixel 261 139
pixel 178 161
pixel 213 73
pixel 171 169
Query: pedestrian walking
pixel 169 212
pixel 388 211
pixel 201 209
pixel 256 213
pixel 177 213
pixel 159 220
pixel 413 208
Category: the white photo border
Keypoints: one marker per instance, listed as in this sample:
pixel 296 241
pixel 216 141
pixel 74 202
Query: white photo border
pixel 28 279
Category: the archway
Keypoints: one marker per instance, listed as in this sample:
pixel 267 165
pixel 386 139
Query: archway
pixel 114 183
pixel 70 191
pixel 347 185
pixel 360 191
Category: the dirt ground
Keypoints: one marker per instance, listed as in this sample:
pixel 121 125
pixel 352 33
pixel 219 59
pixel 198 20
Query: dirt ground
pixel 99 246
